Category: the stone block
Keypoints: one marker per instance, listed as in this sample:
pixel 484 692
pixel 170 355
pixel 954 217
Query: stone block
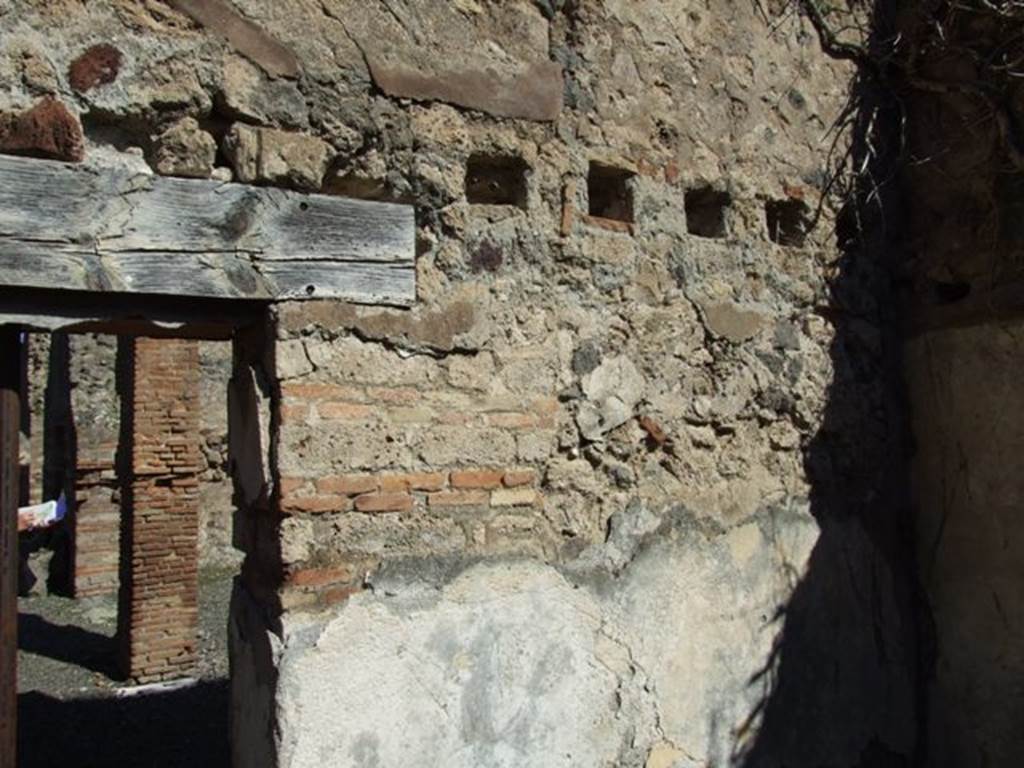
pixel 248 94
pixel 271 156
pixel 47 130
pixel 612 391
pixel 733 322
pixel 96 66
pixel 184 149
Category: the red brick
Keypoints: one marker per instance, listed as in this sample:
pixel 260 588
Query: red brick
pixel 350 485
pixel 289 485
pixel 97 66
pixel 316 505
pixel 47 130
pixel 334 411
pixel 547 406
pixel 414 481
pixel 319 577
pixel 322 392
pixel 612 225
pixel 384 502
pixel 671 171
pixel 518 477
pixel 294 412
pixel 158 631
pixel 477 478
pixel 457 418
pixel 336 595
pixel 512 420
pixel 399 395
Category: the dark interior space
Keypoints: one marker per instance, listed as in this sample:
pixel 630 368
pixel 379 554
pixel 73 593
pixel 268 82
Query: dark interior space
pixel 609 191
pixel 706 210
pixel 496 180
pixel 788 221
pixel 76 705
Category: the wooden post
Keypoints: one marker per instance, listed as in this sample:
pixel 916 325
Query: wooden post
pixel 10 379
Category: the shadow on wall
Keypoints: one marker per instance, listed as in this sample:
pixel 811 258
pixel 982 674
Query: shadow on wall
pixel 181 728
pixel 845 675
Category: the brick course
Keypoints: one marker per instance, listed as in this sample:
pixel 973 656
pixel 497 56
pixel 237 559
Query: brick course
pixel 95 524
pixel 385 461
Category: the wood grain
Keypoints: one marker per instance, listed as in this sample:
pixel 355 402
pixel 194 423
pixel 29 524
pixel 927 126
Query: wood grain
pixel 65 226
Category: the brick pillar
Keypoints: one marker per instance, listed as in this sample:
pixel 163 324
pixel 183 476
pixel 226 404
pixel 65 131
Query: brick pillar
pixel 160 462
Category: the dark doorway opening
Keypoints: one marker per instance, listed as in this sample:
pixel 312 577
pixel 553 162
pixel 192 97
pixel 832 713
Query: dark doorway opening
pixel 78 702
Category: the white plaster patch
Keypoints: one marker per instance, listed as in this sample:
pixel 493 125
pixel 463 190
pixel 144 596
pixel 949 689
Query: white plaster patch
pixel 498 671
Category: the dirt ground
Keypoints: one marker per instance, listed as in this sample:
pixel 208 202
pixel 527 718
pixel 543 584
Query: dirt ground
pixel 74 712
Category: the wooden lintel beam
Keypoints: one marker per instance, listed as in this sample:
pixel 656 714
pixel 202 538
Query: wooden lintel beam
pixel 77 228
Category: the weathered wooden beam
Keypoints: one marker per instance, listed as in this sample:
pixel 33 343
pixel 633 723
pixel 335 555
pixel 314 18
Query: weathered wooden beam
pixel 10 353
pixel 77 228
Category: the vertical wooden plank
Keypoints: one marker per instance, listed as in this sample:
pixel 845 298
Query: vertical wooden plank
pixel 10 379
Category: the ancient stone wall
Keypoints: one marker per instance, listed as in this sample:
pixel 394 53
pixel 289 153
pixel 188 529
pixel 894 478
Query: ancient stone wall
pixel 590 501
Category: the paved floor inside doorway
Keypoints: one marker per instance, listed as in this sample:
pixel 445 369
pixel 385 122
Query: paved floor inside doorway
pixel 74 713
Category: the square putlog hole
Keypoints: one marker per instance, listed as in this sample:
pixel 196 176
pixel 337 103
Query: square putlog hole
pixel 706 212
pixel 788 221
pixel 496 180
pixel 610 193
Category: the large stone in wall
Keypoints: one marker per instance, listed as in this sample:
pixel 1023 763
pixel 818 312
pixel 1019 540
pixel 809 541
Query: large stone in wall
pixel 248 94
pixel 489 57
pixel 612 392
pixel 184 149
pixel 47 129
pixel 221 18
pixel 270 156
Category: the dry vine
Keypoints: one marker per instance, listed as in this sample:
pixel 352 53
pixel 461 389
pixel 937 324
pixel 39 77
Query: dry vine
pixel 968 50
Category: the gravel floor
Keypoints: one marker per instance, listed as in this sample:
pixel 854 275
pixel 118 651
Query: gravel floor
pixel 73 711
